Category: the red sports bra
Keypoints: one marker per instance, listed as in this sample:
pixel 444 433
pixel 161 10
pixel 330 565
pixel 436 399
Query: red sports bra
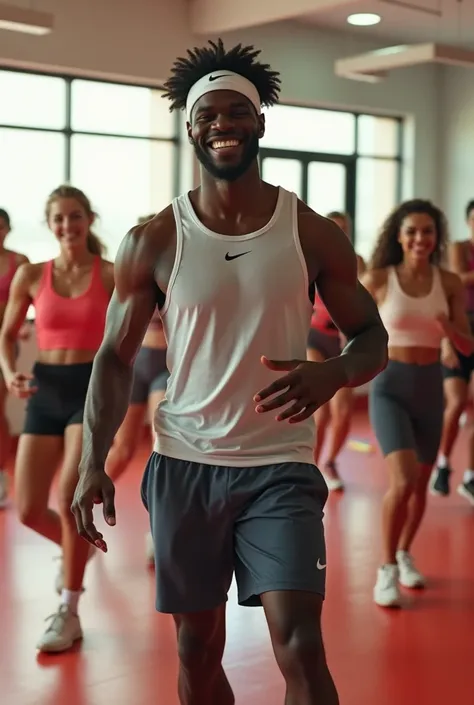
pixel 321 319
pixel 6 279
pixel 71 323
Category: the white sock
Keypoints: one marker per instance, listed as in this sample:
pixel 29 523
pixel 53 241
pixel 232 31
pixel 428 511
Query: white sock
pixel 443 461
pixel 468 476
pixel 71 599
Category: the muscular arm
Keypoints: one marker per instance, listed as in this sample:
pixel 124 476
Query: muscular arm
pixel 130 310
pixel 19 300
pixel 350 305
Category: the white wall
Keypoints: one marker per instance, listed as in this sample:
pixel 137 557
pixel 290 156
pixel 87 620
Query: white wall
pixel 129 38
pixel 456 163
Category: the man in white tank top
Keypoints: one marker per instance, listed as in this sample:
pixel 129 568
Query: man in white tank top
pixel 231 487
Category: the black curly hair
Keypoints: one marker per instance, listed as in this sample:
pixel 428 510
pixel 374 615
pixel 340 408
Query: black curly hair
pixel 203 60
pixel 388 251
pixel 5 217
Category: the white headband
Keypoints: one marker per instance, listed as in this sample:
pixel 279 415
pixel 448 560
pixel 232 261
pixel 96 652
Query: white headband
pixel 222 81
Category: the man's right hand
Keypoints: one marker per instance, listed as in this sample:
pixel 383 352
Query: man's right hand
pixel 94 487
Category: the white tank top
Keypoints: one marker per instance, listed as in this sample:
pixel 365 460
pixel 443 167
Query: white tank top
pixel 410 321
pixel 231 300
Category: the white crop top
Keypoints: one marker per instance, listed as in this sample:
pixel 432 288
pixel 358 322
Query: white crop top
pixel 410 321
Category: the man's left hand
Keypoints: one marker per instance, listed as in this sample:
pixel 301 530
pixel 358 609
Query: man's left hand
pixel 309 385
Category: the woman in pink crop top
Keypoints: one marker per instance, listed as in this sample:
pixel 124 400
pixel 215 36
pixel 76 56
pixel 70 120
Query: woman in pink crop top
pixel 9 263
pixel 71 295
pixel 420 305
pixel 324 341
pixel 150 377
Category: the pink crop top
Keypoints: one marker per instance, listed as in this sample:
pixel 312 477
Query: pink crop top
pixel 6 279
pixel 71 323
pixel 410 321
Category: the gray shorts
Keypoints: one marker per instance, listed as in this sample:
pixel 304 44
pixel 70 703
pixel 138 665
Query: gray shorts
pixel 150 374
pixel 327 345
pixel 406 407
pixel 263 523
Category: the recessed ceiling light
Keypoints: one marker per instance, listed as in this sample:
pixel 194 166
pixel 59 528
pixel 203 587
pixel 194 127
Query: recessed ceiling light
pixel 364 19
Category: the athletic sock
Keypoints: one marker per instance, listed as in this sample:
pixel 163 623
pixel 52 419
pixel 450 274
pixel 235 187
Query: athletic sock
pixel 443 461
pixel 71 599
pixel 468 476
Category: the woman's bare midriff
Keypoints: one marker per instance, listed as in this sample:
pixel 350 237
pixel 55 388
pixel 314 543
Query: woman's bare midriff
pixel 154 338
pixel 65 357
pixel 414 356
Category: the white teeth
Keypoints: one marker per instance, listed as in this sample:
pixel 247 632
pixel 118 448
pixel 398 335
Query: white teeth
pixel 222 144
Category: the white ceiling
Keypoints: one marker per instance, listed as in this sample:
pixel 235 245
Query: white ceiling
pixel 404 25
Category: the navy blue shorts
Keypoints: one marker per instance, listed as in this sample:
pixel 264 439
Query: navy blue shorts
pixel 265 524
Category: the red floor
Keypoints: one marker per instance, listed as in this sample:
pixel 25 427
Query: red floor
pixel 418 656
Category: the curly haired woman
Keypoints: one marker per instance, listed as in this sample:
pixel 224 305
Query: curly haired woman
pixel 422 308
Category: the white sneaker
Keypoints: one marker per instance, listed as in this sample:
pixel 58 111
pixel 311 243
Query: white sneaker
pixel 331 477
pixel 59 581
pixel 386 590
pixel 150 550
pixel 409 576
pixel 63 631
pixel 3 489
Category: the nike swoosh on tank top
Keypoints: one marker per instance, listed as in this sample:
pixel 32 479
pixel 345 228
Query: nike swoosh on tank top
pixel 220 316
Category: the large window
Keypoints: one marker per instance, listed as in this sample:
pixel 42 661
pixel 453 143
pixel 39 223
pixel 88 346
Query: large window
pixel 116 142
pixel 336 160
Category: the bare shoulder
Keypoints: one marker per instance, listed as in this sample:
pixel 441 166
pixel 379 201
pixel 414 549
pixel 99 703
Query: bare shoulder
pixel 375 281
pixel 458 246
pixel 153 236
pixel 107 274
pixel 27 277
pixel 146 248
pixel 375 277
pixel 361 265
pixel 30 272
pixel 20 258
pixel 451 282
pixel 324 244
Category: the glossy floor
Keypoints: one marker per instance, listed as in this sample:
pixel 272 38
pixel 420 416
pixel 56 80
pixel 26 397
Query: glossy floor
pixel 420 655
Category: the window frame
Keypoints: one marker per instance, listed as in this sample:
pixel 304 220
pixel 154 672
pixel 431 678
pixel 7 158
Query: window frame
pixel 68 132
pixel 348 160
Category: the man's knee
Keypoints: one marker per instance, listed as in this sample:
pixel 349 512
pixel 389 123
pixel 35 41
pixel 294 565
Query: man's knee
pixel 201 639
pixel 295 626
pixel 302 652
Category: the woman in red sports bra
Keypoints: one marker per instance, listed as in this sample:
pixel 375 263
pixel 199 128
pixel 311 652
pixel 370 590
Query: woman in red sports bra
pixel 9 263
pixel 70 294
pixel 324 342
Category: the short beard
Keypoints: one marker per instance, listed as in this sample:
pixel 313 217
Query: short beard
pixel 229 173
